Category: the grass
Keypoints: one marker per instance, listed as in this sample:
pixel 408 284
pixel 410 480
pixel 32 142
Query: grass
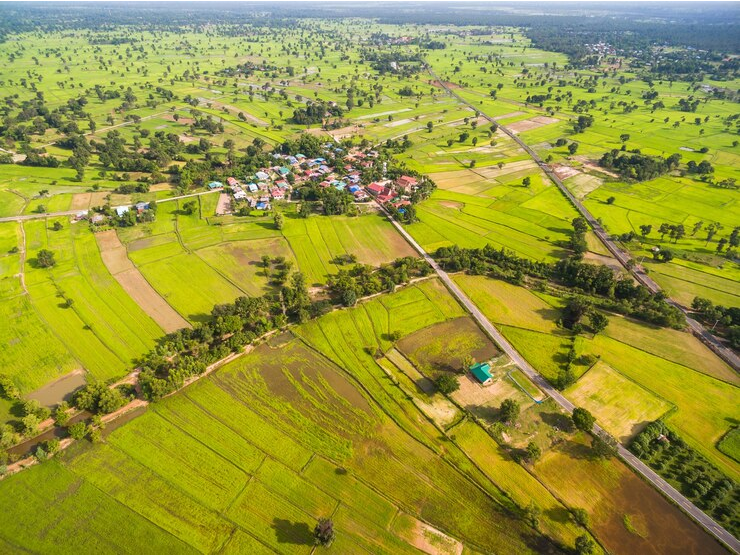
pixel 103 328
pixel 621 406
pixel 608 492
pixel 730 444
pixel 256 453
pixel 661 362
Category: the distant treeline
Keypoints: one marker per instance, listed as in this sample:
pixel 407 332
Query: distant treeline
pixel 562 27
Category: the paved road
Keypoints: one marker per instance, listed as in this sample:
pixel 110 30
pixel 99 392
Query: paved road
pixel 24 217
pixel 669 491
pixel 728 355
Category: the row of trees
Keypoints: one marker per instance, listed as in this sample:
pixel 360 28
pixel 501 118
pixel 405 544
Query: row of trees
pixel 606 290
pixel 696 477
pixel 362 280
pixel 723 321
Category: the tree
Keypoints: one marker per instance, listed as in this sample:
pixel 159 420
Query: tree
pixel 533 452
pixel 532 515
pixel 645 230
pixel 45 258
pixel 323 533
pixel 624 137
pixel 279 220
pixel 77 431
pixel 57 226
pixel 189 207
pixel 580 225
pixel 447 384
pixel 580 516
pixel 527 181
pixel 583 419
pixel 572 148
pixel 604 446
pixel 30 425
pixel 349 297
pixel 584 545
pixel 611 200
pixel 430 126
pixel 598 321
pixel 663 229
pixel 509 410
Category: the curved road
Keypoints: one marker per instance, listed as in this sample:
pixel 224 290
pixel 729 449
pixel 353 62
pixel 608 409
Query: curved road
pixel 669 491
pixel 624 259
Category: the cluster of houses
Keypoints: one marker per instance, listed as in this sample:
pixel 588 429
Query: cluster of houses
pixel 101 218
pixel 277 182
pixel 396 193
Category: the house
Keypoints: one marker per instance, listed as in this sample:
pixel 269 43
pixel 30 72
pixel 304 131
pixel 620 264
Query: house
pixel 277 193
pixel 375 188
pixel 283 171
pixel 386 195
pixel 407 183
pixel 253 188
pixel 263 206
pixel 262 176
pixel 360 195
pixel 482 372
pixel 121 210
pixel 232 182
pixel 401 203
pixel 215 185
pixel 240 195
pixel 97 218
pixel 141 206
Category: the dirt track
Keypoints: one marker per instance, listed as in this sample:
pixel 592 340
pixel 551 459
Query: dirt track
pixel 116 260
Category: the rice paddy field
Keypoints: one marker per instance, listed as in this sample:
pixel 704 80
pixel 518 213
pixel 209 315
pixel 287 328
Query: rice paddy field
pixel 522 71
pixel 253 455
pixel 642 371
pixel 335 418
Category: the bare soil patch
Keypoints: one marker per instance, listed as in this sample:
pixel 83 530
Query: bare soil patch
pixel 60 389
pixel 80 201
pixel 128 276
pixel 432 541
pixel 532 123
pixel 224 205
pixel 157 187
pixel 564 172
pixel 452 204
pixel 181 120
pixel 439 84
pixel 593 165
pixel 345 132
pixel 510 115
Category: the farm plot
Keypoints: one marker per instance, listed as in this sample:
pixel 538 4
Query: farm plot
pixel 83 304
pixel 258 452
pixel 626 512
pixel 443 347
pixel 130 279
pixel 622 407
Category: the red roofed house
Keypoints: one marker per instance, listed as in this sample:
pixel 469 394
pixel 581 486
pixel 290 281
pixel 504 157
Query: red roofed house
pixel 386 195
pixel 375 188
pixel 407 183
pixel 231 181
pixel 277 193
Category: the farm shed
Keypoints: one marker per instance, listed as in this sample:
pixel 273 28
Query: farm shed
pixel 482 372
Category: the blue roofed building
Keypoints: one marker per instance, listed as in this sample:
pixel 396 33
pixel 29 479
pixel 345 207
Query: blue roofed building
pixel 482 372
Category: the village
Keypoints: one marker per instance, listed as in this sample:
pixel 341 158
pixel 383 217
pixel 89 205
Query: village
pixel 282 181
